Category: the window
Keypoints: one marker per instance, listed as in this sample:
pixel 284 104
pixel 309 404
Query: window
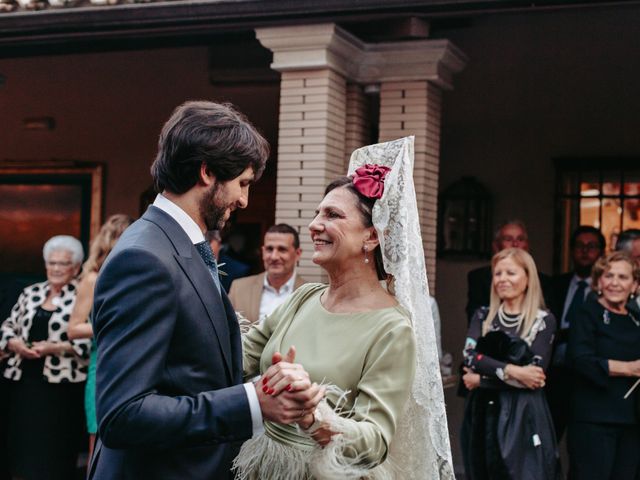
pixel 603 193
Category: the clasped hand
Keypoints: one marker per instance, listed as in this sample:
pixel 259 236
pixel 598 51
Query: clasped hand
pixel 530 376
pixel 285 391
pixel 35 349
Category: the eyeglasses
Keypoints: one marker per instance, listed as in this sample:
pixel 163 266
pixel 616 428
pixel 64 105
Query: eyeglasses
pixel 586 246
pixel 58 264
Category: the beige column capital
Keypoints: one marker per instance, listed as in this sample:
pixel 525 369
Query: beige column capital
pixel 433 60
pixel 308 47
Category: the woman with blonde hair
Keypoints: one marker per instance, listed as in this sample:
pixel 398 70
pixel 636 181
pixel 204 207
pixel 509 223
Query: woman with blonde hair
pixel 508 347
pixel 79 324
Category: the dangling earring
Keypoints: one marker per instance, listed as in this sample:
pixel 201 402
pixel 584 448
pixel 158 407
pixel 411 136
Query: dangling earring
pixel 599 292
pixel 366 251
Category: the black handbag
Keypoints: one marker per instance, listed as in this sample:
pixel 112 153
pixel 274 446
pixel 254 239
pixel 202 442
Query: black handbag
pixel 505 348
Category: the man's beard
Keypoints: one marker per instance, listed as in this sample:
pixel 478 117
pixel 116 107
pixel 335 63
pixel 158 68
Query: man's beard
pixel 211 212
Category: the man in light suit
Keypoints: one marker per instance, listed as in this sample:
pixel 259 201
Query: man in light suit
pixel 170 399
pixel 255 297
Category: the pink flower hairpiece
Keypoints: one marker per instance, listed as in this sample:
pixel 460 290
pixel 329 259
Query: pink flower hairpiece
pixel 369 180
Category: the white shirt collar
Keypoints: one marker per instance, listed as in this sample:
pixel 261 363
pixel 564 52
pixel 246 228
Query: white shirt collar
pixel 286 288
pixel 187 223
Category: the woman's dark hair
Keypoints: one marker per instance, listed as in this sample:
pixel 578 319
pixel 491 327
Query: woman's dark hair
pixel 365 206
pixel 213 133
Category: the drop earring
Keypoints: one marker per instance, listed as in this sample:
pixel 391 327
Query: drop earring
pixel 366 251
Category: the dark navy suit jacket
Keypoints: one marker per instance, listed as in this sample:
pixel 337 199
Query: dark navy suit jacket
pixel 169 398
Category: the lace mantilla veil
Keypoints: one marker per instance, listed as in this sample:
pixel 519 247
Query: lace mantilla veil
pixel 421 443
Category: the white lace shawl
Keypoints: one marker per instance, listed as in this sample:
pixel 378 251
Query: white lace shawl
pixel 421 443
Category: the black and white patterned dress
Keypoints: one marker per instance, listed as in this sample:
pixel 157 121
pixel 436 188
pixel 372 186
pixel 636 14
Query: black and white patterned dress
pixel 45 395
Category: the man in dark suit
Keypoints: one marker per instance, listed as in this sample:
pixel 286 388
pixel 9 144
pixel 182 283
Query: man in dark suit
pixel 511 234
pixel 570 290
pixel 170 398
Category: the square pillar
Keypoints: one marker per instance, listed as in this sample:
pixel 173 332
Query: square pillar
pixel 414 108
pixel 311 150
pixel 357 132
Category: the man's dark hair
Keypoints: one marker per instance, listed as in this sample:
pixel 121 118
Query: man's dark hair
pixel 588 229
pixel 213 133
pixel 626 238
pixel 286 228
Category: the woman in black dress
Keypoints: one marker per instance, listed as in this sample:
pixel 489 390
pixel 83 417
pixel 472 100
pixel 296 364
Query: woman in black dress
pixel 604 351
pixel 507 431
pixel 45 371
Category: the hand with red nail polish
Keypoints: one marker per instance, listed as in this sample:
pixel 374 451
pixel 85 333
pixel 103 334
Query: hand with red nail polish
pixel 284 372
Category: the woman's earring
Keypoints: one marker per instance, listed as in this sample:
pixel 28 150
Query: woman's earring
pixel 599 292
pixel 366 251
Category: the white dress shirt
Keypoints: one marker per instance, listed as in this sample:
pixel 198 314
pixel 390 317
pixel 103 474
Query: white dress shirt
pixel 272 298
pixel 194 233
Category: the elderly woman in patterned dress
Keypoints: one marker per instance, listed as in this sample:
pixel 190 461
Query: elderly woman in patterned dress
pixel 45 369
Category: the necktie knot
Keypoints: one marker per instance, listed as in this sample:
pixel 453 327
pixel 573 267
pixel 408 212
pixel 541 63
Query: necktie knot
pixel 204 249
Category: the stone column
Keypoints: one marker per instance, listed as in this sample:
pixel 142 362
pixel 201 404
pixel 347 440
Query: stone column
pixel 411 104
pixel 323 115
pixel 357 122
pixel 413 108
pixel 311 144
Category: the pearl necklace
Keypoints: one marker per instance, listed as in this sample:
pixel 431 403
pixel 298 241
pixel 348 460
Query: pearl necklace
pixel 509 322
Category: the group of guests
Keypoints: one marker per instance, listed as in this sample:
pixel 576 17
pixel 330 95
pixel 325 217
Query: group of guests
pixel 48 363
pixel 544 355
pixel 49 354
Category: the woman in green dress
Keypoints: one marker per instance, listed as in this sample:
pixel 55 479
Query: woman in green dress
pixel 380 417
pixel 79 325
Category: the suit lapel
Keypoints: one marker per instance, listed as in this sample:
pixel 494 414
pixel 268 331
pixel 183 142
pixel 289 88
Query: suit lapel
pixel 200 278
pixel 198 274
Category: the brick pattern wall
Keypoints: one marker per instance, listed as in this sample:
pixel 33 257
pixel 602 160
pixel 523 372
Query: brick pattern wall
pixel 357 126
pixel 414 108
pixel 311 150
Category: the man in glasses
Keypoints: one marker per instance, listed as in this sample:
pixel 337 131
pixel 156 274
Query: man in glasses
pixel 570 291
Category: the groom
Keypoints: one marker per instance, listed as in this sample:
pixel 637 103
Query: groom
pixel 170 398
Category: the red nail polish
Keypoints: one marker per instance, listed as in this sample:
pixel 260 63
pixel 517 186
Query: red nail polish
pixel 265 389
pixel 271 391
pixel 265 380
pixel 288 388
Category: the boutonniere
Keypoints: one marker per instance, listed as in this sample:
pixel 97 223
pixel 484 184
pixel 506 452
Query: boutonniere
pixel 220 272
